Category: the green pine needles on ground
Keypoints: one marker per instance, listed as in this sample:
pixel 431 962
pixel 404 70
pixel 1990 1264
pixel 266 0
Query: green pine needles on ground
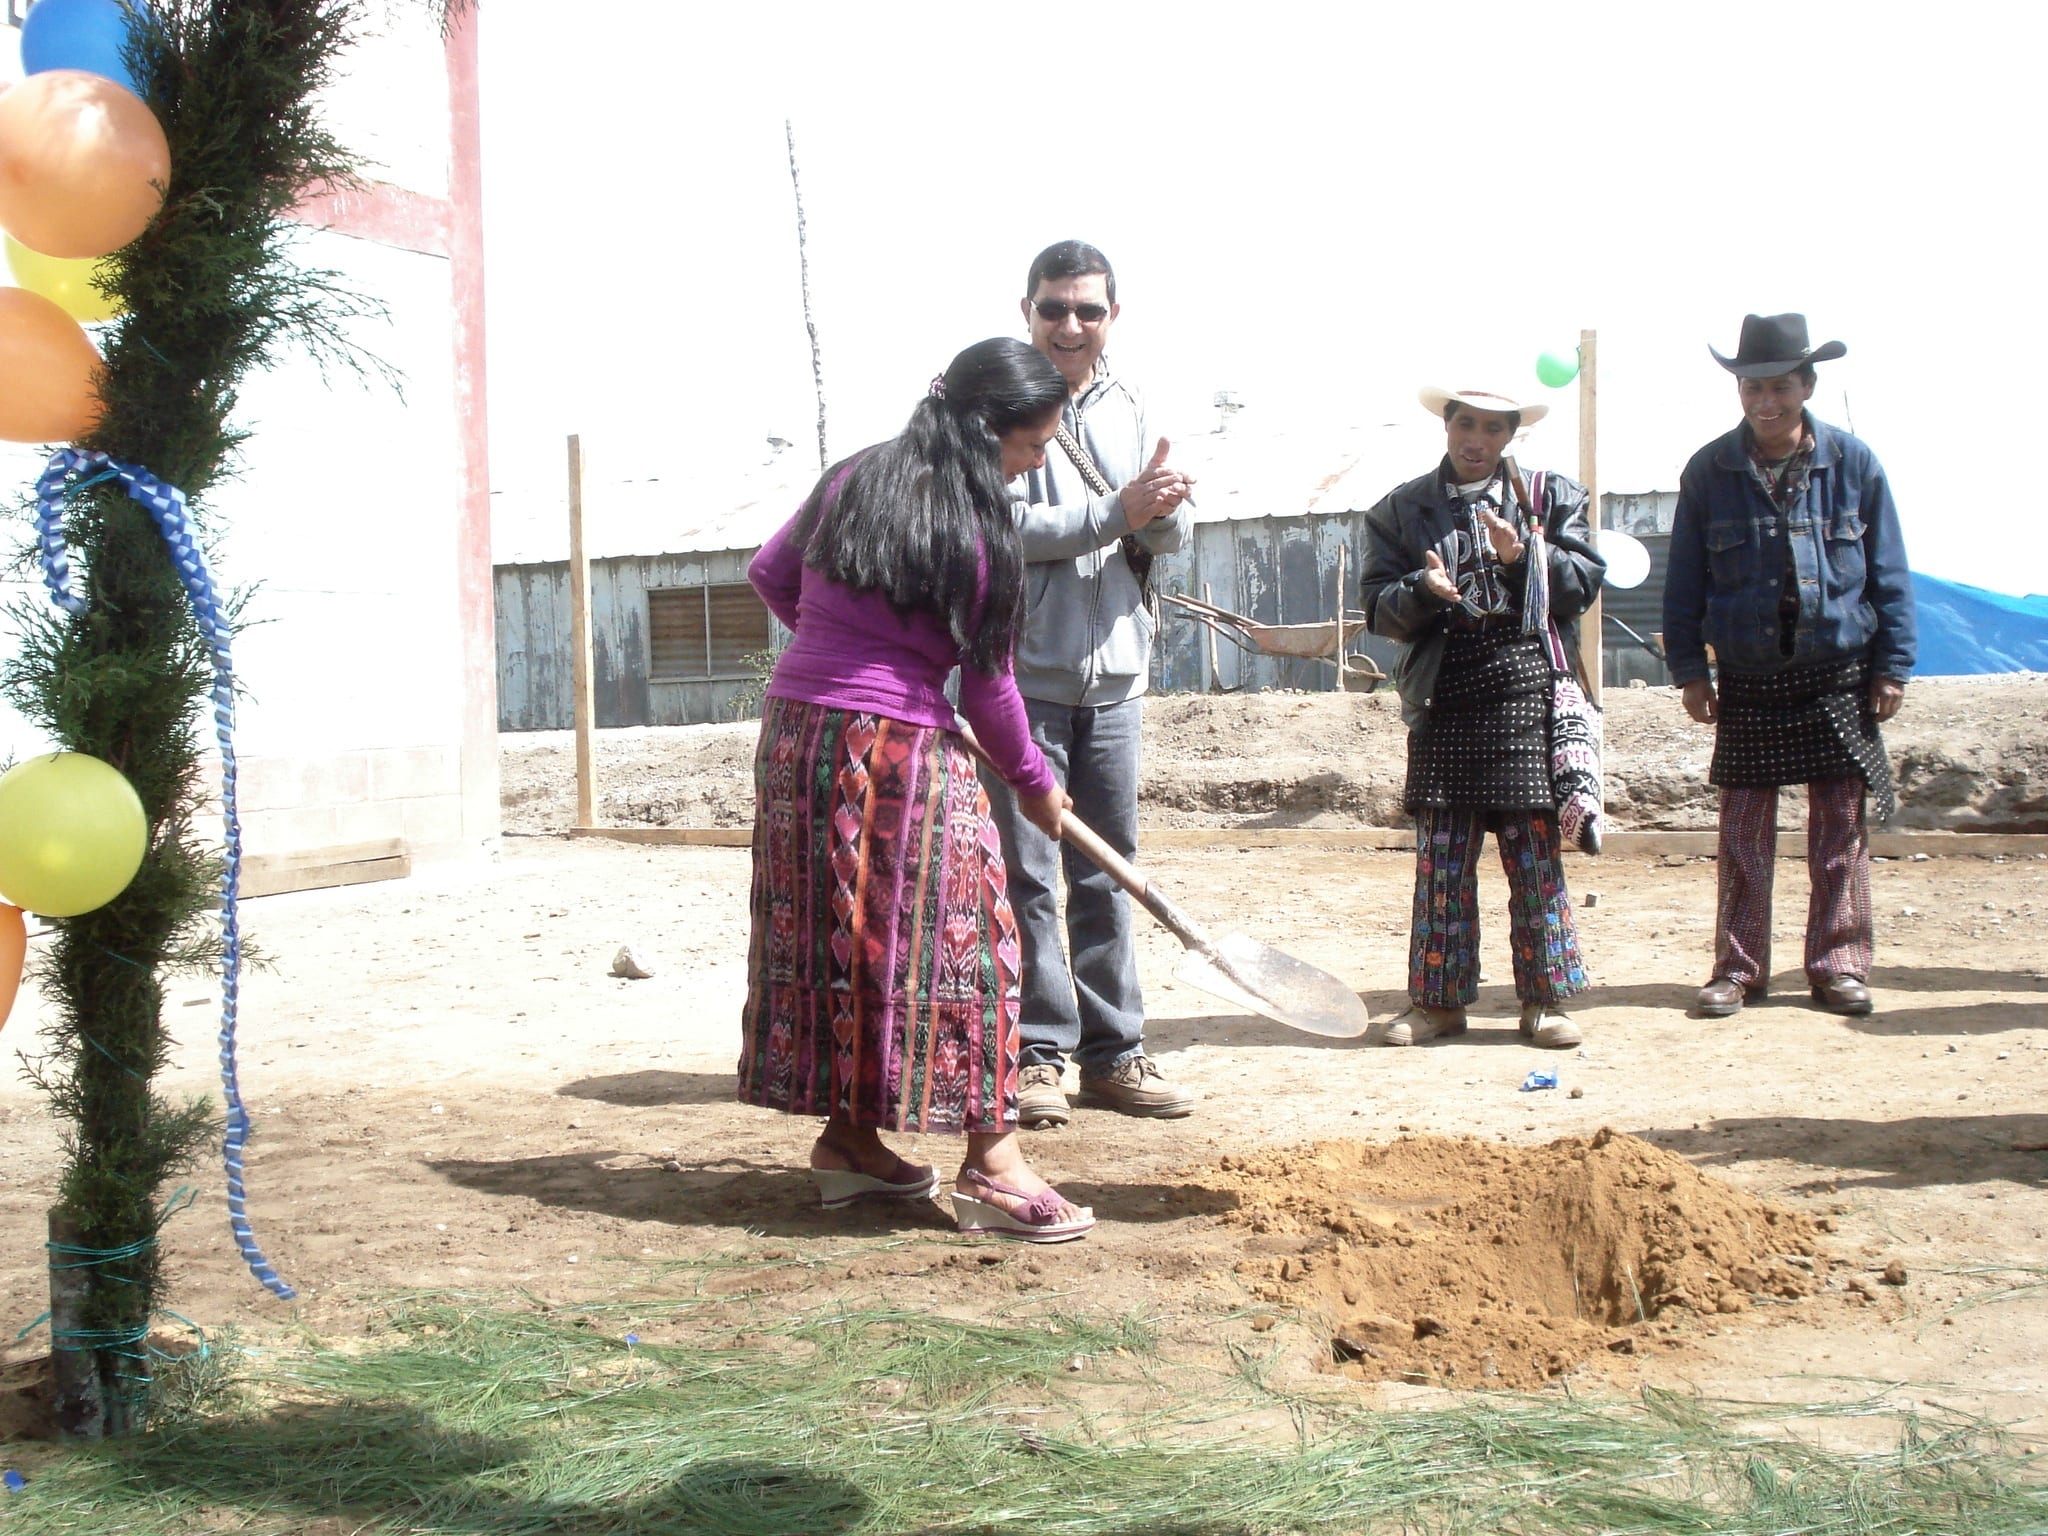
pixel 212 293
pixel 489 1417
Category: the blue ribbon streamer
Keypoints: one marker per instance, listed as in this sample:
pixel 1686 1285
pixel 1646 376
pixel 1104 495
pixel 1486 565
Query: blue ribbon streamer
pixel 166 504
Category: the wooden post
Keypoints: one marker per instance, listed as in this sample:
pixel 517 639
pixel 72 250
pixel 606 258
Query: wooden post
pixel 1591 641
pixel 1342 685
pixel 1215 673
pixel 581 684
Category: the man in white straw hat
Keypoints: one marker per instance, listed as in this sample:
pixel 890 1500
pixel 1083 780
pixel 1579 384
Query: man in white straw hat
pixel 1786 558
pixel 1479 574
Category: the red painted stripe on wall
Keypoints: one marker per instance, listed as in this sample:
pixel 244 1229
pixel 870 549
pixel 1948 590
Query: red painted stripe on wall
pixel 386 214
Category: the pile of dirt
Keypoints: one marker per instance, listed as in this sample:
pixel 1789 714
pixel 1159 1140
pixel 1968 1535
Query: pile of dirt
pixel 1490 1265
pixel 1970 754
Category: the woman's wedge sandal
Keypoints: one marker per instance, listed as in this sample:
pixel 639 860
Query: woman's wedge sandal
pixel 1037 1221
pixel 843 1186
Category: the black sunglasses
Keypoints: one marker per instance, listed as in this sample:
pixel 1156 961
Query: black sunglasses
pixel 1055 311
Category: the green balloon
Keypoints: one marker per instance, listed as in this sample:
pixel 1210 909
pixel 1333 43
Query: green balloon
pixel 1558 369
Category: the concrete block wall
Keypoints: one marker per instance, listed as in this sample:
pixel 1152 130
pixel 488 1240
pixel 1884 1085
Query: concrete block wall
pixel 305 802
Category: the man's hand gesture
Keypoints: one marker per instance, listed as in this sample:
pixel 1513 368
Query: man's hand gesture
pixel 1156 491
pixel 1435 579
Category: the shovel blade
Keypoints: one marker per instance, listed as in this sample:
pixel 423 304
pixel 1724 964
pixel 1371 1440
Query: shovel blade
pixel 1273 984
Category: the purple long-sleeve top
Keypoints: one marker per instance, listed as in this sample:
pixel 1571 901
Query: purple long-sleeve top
pixel 853 650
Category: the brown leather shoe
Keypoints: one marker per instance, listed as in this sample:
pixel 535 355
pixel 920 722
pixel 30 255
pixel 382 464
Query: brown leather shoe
pixel 1136 1087
pixel 1040 1099
pixel 1843 994
pixel 1417 1025
pixel 1724 996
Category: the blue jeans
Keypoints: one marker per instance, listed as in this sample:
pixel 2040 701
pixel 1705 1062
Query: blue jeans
pixel 1092 1012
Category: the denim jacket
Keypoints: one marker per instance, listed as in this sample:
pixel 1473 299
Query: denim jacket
pixel 1423 515
pixel 1729 549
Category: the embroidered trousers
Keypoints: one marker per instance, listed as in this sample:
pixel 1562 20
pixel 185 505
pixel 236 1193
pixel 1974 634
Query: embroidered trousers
pixel 1839 934
pixel 1443 945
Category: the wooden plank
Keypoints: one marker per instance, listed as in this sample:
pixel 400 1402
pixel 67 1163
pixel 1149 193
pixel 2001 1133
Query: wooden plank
pixel 338 853
pixel 1363 838
pixel 314 877
pixel 1590 626
pixel 683 837
pixel 1791 844
pixel 1343 683
pixel 1887 845
pixel 582 684
pixel 1213 682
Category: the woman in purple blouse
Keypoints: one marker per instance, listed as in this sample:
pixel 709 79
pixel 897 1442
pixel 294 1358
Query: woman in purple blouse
pixel 883 970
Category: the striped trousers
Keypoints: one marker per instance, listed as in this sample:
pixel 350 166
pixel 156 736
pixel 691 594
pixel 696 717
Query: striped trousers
pixel 1839 936
pixel 1443 941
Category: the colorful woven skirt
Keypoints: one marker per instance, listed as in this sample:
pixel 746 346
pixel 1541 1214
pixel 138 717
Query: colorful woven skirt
pixel 882 977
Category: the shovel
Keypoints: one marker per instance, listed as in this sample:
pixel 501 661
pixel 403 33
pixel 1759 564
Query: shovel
pixel 1239 969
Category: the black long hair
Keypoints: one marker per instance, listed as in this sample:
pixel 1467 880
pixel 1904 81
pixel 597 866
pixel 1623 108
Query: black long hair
pixel 914 518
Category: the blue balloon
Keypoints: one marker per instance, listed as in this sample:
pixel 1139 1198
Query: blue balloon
pixel 80 34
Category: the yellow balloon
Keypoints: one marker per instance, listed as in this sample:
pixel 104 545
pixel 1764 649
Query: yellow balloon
pixel 65 281
pixel 72 834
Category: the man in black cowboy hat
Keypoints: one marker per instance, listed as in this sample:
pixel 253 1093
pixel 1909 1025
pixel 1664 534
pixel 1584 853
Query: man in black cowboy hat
pixel 1786 559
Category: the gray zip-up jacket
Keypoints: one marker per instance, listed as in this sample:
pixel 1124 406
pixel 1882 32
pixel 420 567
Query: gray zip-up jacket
pixel 1088 635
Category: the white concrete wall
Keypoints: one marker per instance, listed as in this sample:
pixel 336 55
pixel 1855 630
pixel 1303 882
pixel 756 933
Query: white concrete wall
pixel 344 525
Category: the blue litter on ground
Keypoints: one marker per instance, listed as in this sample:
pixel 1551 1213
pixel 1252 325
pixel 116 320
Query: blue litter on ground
pixel 1537 1080
pixel 14 1480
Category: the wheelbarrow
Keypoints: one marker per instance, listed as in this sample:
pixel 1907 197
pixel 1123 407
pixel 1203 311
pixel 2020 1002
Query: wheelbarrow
pixel 1321 640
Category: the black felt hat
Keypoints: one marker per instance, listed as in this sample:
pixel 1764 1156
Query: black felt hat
pixel 1775 344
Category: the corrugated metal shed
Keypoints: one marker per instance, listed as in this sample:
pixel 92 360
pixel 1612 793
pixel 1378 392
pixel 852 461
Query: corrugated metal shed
pixel 1272 510
pixel 534 678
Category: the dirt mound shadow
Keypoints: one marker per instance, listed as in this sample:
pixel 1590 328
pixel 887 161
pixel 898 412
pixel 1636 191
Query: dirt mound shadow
pixel 1489 1265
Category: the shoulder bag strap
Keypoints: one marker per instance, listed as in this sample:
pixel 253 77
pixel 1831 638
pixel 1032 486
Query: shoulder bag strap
pixel 1136 555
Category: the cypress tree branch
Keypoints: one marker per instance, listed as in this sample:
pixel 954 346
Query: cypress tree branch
pixel 212 293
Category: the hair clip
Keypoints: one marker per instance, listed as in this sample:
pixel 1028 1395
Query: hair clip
pixel 938 388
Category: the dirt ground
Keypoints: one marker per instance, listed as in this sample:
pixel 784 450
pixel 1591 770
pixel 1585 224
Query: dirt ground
pixel 452 1092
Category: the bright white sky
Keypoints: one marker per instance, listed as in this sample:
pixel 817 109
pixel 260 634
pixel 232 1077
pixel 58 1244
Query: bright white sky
pixel 1319 208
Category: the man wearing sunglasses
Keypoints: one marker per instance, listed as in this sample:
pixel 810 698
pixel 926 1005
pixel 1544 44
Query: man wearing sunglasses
pixel 1092 518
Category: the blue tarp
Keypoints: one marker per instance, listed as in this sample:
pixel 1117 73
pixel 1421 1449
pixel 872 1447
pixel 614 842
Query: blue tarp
pixel 1967 630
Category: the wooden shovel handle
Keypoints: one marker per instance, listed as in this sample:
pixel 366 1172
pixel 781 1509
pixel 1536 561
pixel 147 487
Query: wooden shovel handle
pixel 1120 869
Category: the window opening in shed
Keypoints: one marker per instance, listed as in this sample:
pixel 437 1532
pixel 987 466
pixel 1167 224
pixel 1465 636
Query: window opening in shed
pixel 705 633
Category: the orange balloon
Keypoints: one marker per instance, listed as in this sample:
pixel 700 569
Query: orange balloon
pixel 49 372
pixel 83 164
pixel 13 952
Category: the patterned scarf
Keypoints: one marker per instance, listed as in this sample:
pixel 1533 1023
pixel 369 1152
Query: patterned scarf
pixel 1783 492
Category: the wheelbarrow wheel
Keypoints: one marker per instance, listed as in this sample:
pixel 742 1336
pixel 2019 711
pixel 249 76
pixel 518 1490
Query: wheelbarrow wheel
pixel 1361 676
